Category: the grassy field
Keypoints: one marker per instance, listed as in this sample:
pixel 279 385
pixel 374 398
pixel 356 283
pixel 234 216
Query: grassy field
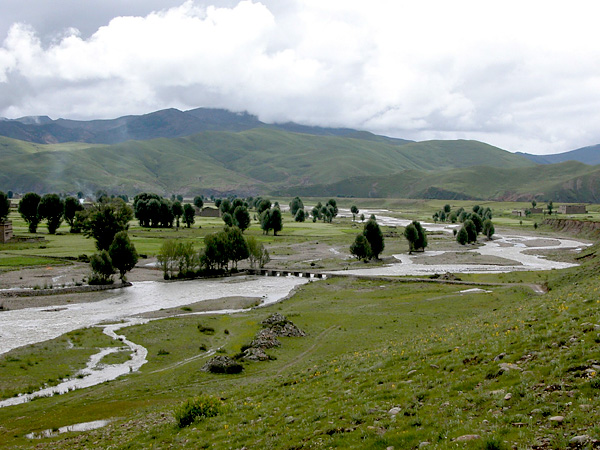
pixel 384 363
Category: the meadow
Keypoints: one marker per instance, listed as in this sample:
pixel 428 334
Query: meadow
pixel 385 363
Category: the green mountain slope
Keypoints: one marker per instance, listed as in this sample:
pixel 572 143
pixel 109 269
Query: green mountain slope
pixel 249 161
pixel 565 182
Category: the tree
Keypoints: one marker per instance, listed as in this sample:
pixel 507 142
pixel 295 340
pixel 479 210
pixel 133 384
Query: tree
pixel 361 248
pixel 354 210
pixel 105 220
pixel 476 219
pixel 334 209
pixel 72 206
pixel 300 216
pixel 533 203
pixel 236 245
pixel 215 252
pixel 225 207
pixel 167 258
pixel 189 215
pixel 198 202
pixel 177 211
pixel 375 237
pixel 295 205
pixel 241 217
pixel 256 252
pixel 10 194
pixel 316 213
pixel 28 208
pixel 550 207
pixel 4 206
pixel 102 268
pixel 228 219
pixel 101 195
pixel 416 236
pixel 362 217
pixel 462 237
pixel 263 205
pixel 51 208
pixel 488 228
pixel 471 231
pixel 122 253
pixel 276 221
pixel 447 208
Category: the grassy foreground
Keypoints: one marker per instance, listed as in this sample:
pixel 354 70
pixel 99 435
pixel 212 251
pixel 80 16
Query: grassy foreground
pixel 428 350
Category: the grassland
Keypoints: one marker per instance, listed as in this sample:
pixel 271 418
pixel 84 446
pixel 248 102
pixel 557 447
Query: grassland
pixel 428 350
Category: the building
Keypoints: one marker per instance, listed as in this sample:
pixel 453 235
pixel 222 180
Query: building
pixel 207 211
pixel 7 231
pixel 572 209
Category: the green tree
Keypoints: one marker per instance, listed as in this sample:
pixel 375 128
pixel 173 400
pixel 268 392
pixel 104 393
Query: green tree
pixel 462 236
pixel 167 258
pixel 488 228
pixel 533 203
pixel 241 217
pixel 228 219
pixel 316 213
pixel 361 248
pixel 72 206
pixel 122 253
pixel 416 236
pixel 375 237
pixel 28 208
pixel 102 268
pixel 295 205
pixel 189 214
pixel 215 253
pixel 51 208
pixel 476 219
pixel 447 208
pixel 198 202
pixel 4 206
pixel 263 205
pixel 471 231
pixel 354 210
pixel 225 207
pixel 334 209
pixel 236 245
pixel 550 207
pixel 177 210
pixel 257 254
pixel 104 220
pixel 411 235
pixel 300 216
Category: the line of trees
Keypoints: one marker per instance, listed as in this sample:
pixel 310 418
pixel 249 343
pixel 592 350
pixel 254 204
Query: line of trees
pixel 222 252
pixel 479 220
pixel 370 243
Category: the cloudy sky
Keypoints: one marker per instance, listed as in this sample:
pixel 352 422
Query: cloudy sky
pixel 524 76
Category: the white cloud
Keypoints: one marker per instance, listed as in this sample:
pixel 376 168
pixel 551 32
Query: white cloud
pixel 520 75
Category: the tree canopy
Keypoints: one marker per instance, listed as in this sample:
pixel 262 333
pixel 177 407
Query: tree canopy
pixel 51 208
pixel 28 208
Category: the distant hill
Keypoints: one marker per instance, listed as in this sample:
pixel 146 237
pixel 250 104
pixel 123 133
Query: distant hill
pixel 168 123
pixel 565 182
pixel 587 155
pixel 221 162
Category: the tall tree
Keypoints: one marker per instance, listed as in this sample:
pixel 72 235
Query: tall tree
pixel 51 208
pixel 241 217
pixel 28 208
pixel 198 202
pixel 105 220
pixel 354 210
pixel 361 248
pixel 488 228
pixel 122 253
pixel 375 237
pixel 189 214
pixel 295 205
pixel 177 211
pixel 72 206
pixel 4 206
pixel 102 268
pixel 276 221
pixel 236 245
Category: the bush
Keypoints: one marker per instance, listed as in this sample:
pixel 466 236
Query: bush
pixel 197 408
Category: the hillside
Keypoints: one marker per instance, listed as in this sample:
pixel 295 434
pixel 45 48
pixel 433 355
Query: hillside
pixel 220 162
pixel 565 182
pixel 587 155
pixel 167 123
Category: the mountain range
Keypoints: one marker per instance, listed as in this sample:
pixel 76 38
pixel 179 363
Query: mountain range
pixel 212 151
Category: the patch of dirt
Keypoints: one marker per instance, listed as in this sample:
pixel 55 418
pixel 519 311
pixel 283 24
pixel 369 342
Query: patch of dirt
pixel 205 306
pixel 462 258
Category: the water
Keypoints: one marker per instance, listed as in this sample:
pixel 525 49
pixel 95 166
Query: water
pixel 86 426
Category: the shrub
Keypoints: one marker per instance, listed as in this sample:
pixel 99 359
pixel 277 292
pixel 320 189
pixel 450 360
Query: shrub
pixel 197 408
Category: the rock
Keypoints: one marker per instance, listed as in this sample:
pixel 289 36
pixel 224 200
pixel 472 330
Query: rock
pixel 424 444
pixel 255 354
pixel 557 419
pixel 289 419
pixel 580 440
pixel 265 339
pixel 395 410
pixel 499 357
pixel 391 447
pixel 274 319
pixel 281 326
pixel 468 437
pixel 508 396
pixel 222 364
pixel 410 372
pixel 507 367
pixel 585 407
pixel 519 424
pixel 535 412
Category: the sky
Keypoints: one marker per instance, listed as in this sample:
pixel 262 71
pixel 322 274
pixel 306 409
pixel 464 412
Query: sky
pixel 523 76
